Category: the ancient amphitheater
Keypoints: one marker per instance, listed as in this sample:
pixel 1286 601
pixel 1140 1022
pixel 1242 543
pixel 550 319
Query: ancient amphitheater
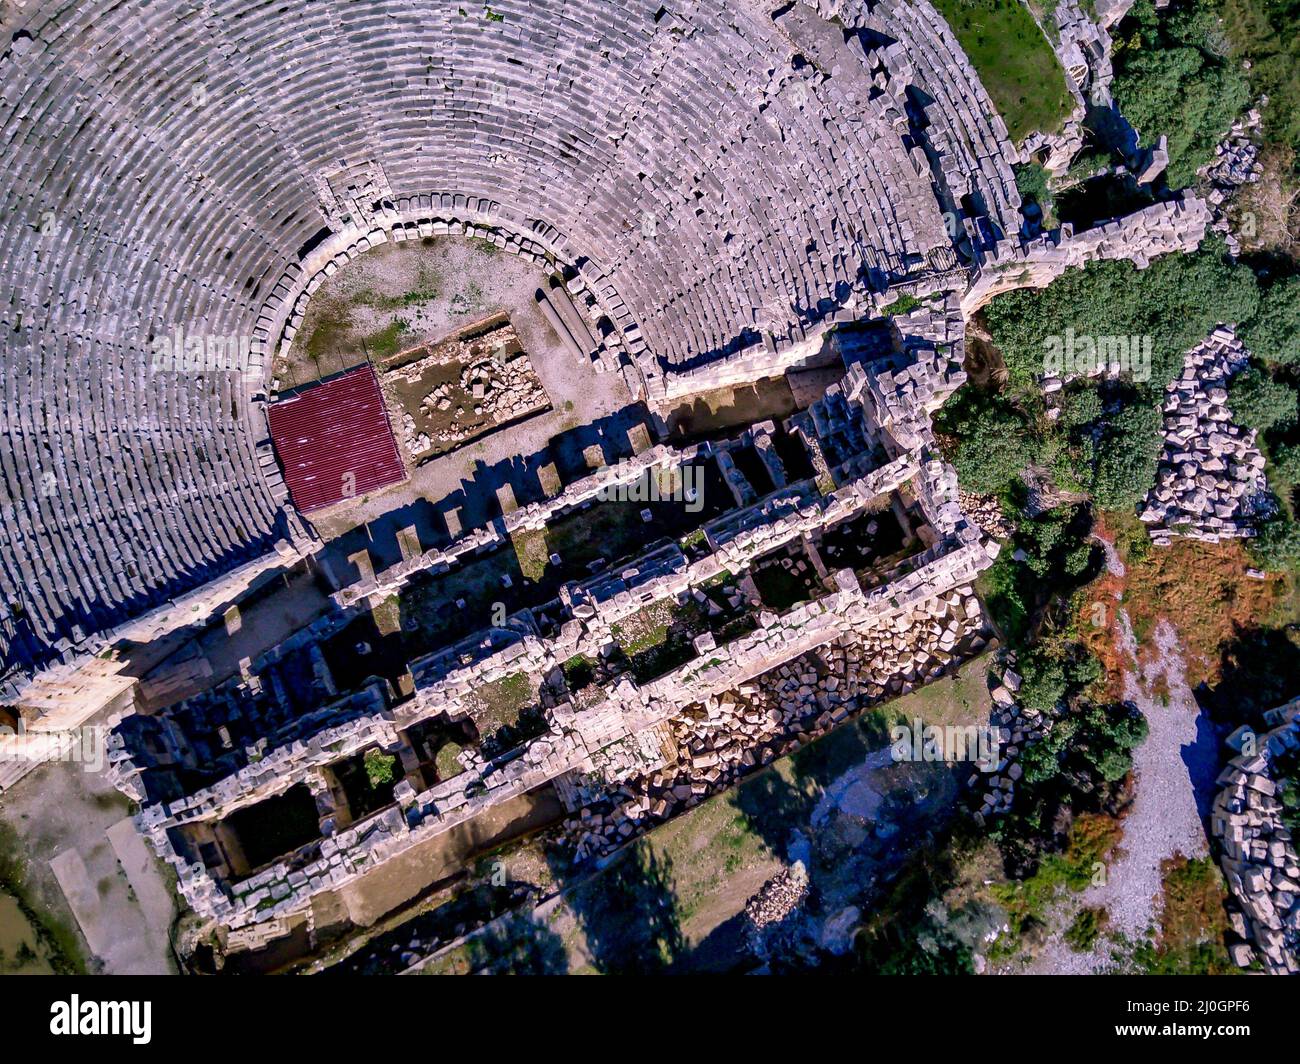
pixel 728 191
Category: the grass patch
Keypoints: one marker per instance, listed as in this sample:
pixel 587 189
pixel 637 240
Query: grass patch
pixel 960 699
pixel 532 552
pixel 388 616
pixel 388 341
pixel 579 671
pixel 333 323
pixel 503 701
pixel 62 946
pixel 643 631
pixel 1014 61
pixel 1087 926
pixel 445 761
pixel 904 304
pixel 1027 901
pixel 1193 923
pixel 1208 612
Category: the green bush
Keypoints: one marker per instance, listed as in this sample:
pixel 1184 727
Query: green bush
pixel 1260 402
pixel 1048 675
pixel 1128 454
pixel 379 767
pixel 1092 742
pixel 1176 301
pixel 1172 78
pixel 1273 334
pixel 1277 547
pixel 1032 184
pixel 994 439
pixel 1087 927
pixel 1286 466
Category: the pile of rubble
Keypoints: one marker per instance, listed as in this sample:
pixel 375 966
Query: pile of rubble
pixel 1236 163
pixel 1211 473
pixel 728 736
pixel 986 512
pixel 497 385
pixel 772 907
pixel 1258 853
pixel 502 387
pixel 1016 727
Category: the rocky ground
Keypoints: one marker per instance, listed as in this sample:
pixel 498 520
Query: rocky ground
pixel 731 735
pixel 1174 771
pixel 466 386
pixel 1235 165
pixel 1211 473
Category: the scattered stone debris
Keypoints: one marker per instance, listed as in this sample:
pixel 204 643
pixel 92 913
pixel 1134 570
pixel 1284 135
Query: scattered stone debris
pixel 1211 474
pixel 1017 726
pixel 496 385
pixel 730 735
pixel 986 511
pixel 1258 853
pixel 1236 163
pixel 775 904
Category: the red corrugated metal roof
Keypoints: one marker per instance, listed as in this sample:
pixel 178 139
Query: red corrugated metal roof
pixel 334 440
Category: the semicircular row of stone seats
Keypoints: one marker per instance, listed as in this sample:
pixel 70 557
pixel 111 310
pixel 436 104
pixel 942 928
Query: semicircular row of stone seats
pixel 962 128
pixel 165 162
pixel 628 137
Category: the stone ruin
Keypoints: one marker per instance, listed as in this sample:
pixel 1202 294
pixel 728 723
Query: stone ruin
pixel 916 618
pixel 841 154
pixel 1257 851
pixel 1211 476
pixel 496 385
pixel 837 156
pixel 1236 164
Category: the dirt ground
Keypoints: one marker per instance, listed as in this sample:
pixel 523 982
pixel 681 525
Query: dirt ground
pixel 1174 772
pixel 81 874
pixel 399 296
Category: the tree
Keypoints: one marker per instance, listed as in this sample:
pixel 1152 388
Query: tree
pixel 1286 466
pixel 1260 402
pixel 1171 78
pixel 994 440
pixel 1174 302
pixel 1273 334
pixel 1277 547
pixel 1128 455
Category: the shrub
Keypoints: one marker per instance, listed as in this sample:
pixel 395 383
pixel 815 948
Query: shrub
pixel 1286 465
pixel 1032 184
pixel 1171 78
pixel 379 767
pixel 1087 927
pixel 1176 301
pixel 1277 547
pixel 1128 455
pixel 1260 402
pixel 994 440
pixel 1273 334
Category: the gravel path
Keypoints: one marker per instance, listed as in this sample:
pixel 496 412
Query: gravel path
pixel 1174 773
pixel 1174 769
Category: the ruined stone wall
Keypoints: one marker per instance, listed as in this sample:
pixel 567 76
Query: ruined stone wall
pixel 1160 229
pixel 574 739
pixel 1258 854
